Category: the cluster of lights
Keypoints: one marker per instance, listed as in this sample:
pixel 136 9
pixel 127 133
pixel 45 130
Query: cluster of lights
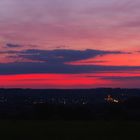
pixel 111 100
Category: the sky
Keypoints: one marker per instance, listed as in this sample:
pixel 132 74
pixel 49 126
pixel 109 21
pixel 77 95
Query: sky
pixel 69 43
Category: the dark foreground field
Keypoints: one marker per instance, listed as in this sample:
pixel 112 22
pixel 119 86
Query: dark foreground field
pixel 72 130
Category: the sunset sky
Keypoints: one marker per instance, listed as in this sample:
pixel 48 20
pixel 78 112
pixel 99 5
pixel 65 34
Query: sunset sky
pixel 69 43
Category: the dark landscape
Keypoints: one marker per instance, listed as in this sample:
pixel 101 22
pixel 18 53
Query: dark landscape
pixel 70 104
pixel 102 113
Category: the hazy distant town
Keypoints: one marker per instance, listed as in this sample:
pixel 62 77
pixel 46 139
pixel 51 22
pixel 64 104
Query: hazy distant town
pixel 102 103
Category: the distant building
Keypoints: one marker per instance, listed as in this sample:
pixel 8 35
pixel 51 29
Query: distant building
pixel 110 99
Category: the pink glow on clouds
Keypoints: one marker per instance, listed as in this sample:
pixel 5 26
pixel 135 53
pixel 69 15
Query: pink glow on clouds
pixel 66 81
pixel 112 60
pixel 77 25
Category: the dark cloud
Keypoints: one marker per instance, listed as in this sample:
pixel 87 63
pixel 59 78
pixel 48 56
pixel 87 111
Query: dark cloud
pixel 118 78
pixel 61 47
pixel 13 45
pixel 56 61
pixel 61 55
pixel 8 52
pixel 44 67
